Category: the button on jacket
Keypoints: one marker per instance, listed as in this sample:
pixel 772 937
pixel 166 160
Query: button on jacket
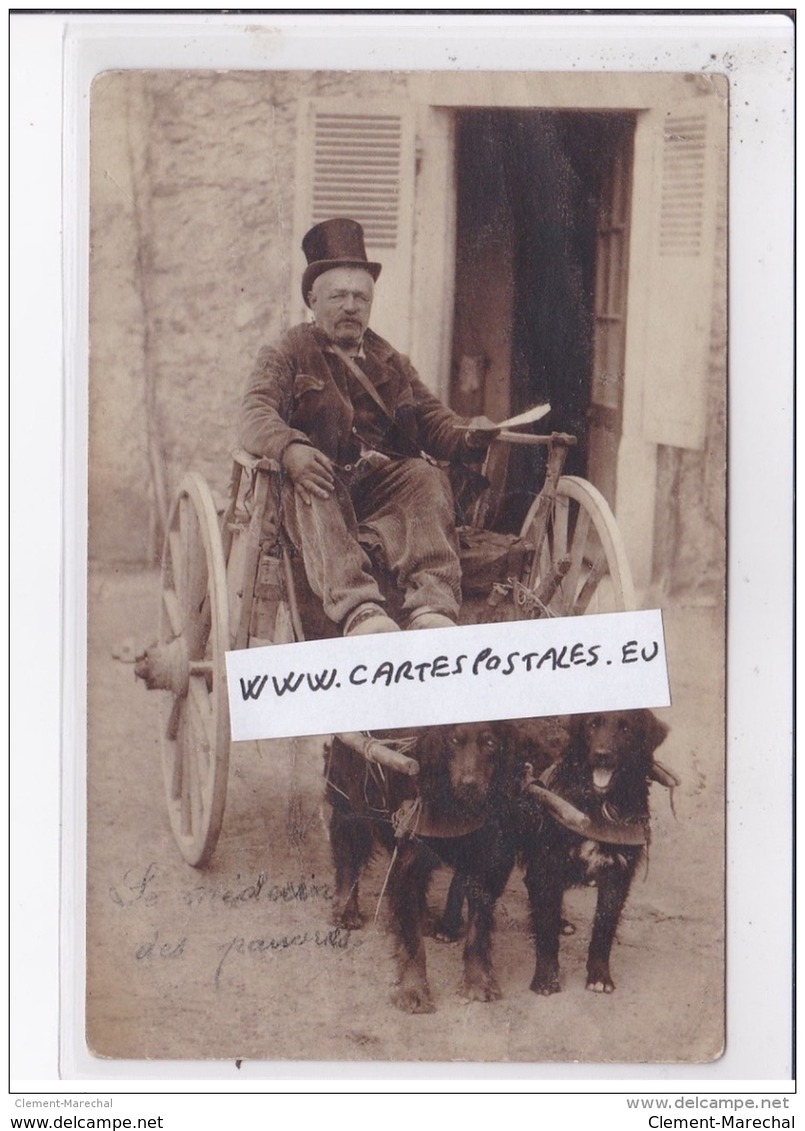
pixel 301 391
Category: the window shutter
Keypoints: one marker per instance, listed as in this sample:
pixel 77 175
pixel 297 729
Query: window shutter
pixel 684 144
pixel 359 160
pixel 690 139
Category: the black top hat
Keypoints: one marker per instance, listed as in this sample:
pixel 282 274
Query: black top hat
pixel 334 243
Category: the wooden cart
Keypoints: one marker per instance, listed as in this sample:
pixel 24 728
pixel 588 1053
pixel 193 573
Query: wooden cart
pixel 229 581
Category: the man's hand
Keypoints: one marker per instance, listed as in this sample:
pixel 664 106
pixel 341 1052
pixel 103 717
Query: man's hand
pixel 481 432
pixel 310 471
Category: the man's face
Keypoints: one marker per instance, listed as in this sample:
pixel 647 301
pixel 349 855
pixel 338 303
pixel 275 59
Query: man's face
pixel 341 300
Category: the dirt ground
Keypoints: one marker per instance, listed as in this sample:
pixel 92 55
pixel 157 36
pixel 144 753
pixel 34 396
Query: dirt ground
pixel 238 961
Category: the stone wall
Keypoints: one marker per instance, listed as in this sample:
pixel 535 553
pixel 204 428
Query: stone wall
pixel 192 205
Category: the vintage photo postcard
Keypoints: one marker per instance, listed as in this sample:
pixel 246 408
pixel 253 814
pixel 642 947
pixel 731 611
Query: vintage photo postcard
pixel 360 282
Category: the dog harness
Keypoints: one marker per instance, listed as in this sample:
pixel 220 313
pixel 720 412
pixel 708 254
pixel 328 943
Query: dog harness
pixel 573 819
pixel 413 818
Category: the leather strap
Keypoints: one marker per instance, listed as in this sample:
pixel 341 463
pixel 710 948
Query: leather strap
pixel 414 818
pixel 606 832
pixel 361 377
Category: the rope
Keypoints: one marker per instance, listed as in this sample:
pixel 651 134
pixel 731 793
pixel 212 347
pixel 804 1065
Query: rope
pixel 385 885
pixel 528 600
pixel 404 821
pixel 376 772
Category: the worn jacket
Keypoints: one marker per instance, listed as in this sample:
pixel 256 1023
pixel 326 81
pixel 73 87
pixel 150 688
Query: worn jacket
pixel 301 391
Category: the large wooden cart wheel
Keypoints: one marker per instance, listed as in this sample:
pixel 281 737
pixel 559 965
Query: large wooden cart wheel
pixel 194 635
pixel 582 565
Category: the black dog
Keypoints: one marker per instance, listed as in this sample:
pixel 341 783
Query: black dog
pixel 458 813
pixel 605 775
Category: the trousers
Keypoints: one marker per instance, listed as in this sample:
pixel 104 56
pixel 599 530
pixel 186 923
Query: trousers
pixel 403 510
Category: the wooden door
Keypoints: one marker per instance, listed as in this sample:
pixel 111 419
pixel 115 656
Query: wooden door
pixel 609 315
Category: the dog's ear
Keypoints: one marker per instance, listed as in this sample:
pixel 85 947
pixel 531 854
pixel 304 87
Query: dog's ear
pixel 508 735
pixel 429 752
pixel 576 749
pixel 512 752
pixel 428 744
pixel 654 731
pixel 529 749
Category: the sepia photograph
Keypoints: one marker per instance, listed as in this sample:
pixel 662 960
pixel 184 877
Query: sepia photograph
pixel 385 352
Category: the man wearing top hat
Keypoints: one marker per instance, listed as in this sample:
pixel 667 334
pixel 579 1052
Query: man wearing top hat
pixel 349 419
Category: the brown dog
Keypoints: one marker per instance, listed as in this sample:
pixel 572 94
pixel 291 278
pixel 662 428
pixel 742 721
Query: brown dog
pixel 456 814
pixel 540 742
pixel 605 774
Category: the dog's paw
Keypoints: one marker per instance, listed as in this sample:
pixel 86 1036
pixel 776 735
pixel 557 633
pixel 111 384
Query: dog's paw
pixel 546 982
pixel 600 985
pixel 413 999
pixel 485 989
pixel 443 930
pixel 599 980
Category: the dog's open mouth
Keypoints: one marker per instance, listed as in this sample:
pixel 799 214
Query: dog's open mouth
pixel 602 776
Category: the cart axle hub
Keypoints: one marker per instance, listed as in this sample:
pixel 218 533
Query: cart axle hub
pixel 165 667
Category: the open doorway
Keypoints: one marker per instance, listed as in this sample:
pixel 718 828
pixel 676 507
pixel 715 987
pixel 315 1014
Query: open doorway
pixel 540 294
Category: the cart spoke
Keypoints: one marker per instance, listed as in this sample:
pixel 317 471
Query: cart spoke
pixel 197 604
pixel 198 629
pixel 200 700
pixel 174 719
pixel 191 556
pixel 172 611
pixel 561 508
pixel 544 582
pixel 591 586
pixel 578 546
pixel 541 567
pixel 176 773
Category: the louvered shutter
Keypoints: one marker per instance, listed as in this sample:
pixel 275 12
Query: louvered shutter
pixel 689 144
pixel 358 160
